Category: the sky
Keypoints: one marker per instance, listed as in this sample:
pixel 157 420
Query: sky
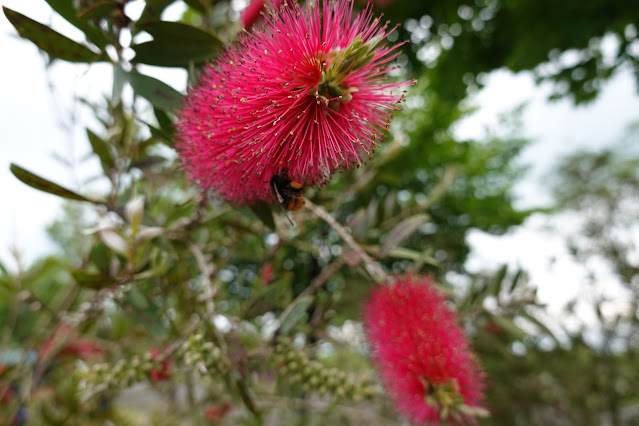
pixel 36 125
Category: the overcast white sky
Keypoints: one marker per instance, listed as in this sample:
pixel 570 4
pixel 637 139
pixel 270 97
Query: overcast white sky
pixel 30 117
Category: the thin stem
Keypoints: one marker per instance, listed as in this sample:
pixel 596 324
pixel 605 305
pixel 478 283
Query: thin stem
pixel 207 269
pixel 450 173
pixel 374 270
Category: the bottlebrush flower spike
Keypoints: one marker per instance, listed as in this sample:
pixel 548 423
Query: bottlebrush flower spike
pixel 254 12
pixel 163 371
pixel 304 94
pixel 422 355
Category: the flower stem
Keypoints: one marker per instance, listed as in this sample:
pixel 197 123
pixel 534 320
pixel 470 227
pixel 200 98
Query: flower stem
pixel 372 267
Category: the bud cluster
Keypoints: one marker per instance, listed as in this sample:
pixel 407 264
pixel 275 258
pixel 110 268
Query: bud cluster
pixel 101 377
pixel 297 368
pixel 205 356
pixel 194 353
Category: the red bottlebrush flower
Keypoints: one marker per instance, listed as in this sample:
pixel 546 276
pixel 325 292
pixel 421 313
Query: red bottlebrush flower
pixel 217 411
pixel 65 342
pixel 422 354
pixel 6 393
pixel 254 12
pixel 83 349
pixel 267 273
pixel 164 370
pixel 493 328
pixel 305 95
pixel 62 334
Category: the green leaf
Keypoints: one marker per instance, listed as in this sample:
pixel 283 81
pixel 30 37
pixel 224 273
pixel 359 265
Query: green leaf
pixel 54 43
pixel 145 312
pixel 67 10
pixel 90 280
pixel 159 134
pixel 515 280
pixel 268 298
pixel 498 280
pixel 264 213
pixel 295 314
pixel 152 12
pixel 160 94
pixel 119 78
pixel 176 44
pixel 509 327
pixel 159 267
pixel 137 299
pixel 98 9
pixel 179 34
pixel 198 5
pixel 101 149
pixel 542 326
pixel 42 269
pixel 100 256
pixel 165 122
pixel 401 231
pixel 44 185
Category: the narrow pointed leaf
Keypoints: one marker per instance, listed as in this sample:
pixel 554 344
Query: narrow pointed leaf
pixel 166 55
pixel 90 280
pixel 295 314
pixel 164 121
pixel 198 5
pixel 152 12
pixel 509 327
pixel 45 185
pixel 179 34
pixel 52 42
pixel 98 9
pixel 401 231
pixel 498 280
pixel 264 213
pixel 176 44
pixel 144 311
pixel 101 149
pixel 119 78
pixel 159 134
pixel 160 94
pixel 67 10
pixel 542 326
pixel 515 280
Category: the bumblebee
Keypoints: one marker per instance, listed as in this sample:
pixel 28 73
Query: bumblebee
pixel 289 193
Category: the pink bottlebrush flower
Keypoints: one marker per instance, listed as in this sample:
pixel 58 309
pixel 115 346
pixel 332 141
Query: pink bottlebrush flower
pixel 304 94
pixel 59 339
pixel 163 372
pixel 217 412
pixel 422 354
pixel 267 273
pixel 65 342
pixel 254 12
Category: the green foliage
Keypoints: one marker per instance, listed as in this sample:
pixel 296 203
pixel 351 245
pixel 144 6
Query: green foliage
pixel 55 44
pixel 482 36
pixel 176 45
pixel 45 185
pixel 160 94
pixel 230 296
